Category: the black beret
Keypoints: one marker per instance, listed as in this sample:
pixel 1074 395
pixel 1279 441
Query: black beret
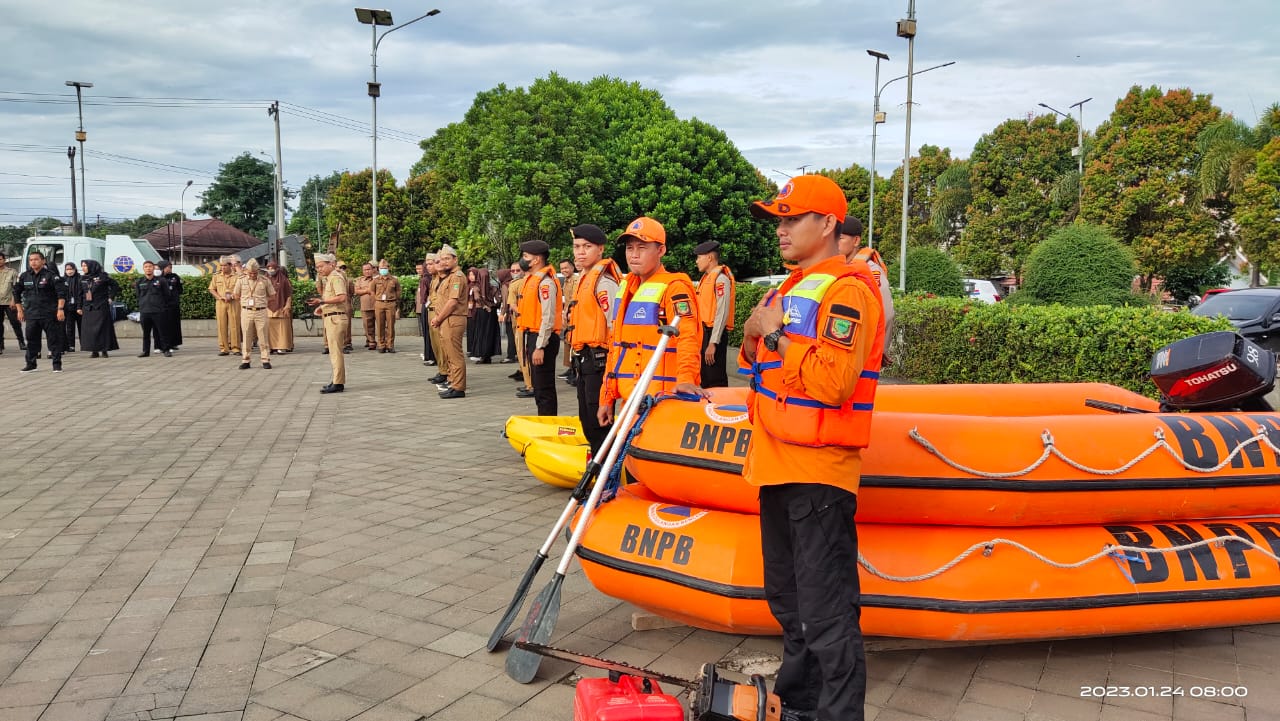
pixel 590 233
pixel 535 247
pixel 164 264
pixel 707 247
pixel 851 226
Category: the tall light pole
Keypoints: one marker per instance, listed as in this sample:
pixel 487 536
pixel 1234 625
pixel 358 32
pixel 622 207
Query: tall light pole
pixel 1078 151
pixel 80 137
pixel 374 18
pixel 907 29
pixel 877 117
pixel 182 229
pixel 71 156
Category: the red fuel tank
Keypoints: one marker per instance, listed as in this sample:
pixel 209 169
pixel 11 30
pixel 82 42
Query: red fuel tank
pixel 627 699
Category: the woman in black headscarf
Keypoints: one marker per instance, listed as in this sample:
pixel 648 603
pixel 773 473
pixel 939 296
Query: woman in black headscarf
pixel 71 326
pixel 97 290
pixel 486 317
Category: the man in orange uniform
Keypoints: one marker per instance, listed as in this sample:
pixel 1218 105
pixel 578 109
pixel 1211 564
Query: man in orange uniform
pixel 540 317
pixel 716 296
pixel 590 323
pixel 814 348
pixel 651 298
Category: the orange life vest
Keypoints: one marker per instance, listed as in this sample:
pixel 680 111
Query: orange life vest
pixel 874 262
pixel 794 417
pixel 529 312
pixel 707 298
pixel 587 322
pixel 642 308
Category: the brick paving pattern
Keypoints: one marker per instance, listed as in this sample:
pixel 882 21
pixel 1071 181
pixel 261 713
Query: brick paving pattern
pixel 180 539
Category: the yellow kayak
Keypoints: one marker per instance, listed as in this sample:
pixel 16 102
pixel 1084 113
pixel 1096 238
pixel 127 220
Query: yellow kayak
pixel 557 460
pixel 521 430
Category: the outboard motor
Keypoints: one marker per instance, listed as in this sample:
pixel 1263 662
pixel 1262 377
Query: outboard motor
pixel 1219 371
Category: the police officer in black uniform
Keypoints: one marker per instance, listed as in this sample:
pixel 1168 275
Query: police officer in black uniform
pixel 172 325
pixel 40 297
pixel 152 290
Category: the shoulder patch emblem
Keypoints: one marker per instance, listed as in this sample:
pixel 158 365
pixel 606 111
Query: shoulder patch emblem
pixel 719 290
pixel 602 298
pixel 682 308
pixel 545 292
pixel 840 330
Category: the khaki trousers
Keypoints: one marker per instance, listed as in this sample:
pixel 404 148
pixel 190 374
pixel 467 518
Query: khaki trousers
pixel 385 313
pixel 253 327
pixel 524 361
pixel 335 331
pixel 346 334
pixel 451 332
pixel 437 347
pixel 370 328
pixel 228 326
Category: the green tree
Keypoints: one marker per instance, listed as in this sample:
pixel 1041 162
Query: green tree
pixel 1012 171
pixel 1080 264
pixel 137 227
pixel 929 270
pixel 855 181
pixel 1139 181
pixel 950 211
pixel 243 195
pixel 688 176
pixel 1258 211
pixel 350 212
pixel 313 200
pixel 925 169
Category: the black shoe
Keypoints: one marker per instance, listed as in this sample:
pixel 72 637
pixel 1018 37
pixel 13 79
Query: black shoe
pixel 382 350
pixel 391 350
pixel 244 365
pixel 224 352
pixel 69 350
pixel 517 376
pixel 168 354
pixel 791 714
pixel 451 393
pixel 57 367
pixel 508 360
pixel 332 388
pixel 524 393
pixel 144 355
pixel 266 365
pixel 93 354
pixel 484 362
pixel 571 381
pixel 325 351
pixel 347 349
pixel 563 376
pixel 28 368
pixel 437 378
pixel 22 345
pixel 104 354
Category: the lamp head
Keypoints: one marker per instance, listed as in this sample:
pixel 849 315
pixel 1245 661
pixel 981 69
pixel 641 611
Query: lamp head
pixel 369 16
pixel 877 54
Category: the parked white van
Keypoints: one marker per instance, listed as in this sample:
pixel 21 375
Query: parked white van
pixel 983 290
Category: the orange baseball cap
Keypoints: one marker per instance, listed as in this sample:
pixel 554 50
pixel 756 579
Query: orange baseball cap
pixel 804 194
pixel 646 229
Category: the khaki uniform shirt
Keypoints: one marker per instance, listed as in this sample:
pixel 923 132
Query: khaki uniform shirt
pixel 334 286
pixel 385 288
pixel 221 285
pixel 363 284
pixel 8 276
pixel 254 294
pixel 454 287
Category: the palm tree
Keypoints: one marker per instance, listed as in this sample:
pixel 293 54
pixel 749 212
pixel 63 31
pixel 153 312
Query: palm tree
pixel 1228 148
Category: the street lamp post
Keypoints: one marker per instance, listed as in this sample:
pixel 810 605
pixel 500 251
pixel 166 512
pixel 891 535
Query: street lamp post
pixel 71 156
pixel 182 229
pixel 877 117
pixel 1079 149
pixel 80 137
pixel 374 18
pixel 907 29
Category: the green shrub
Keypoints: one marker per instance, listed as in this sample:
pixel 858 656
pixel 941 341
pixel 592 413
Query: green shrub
pixel 1080 265
pixel 943 340
pixel 746 297
pixel 930 270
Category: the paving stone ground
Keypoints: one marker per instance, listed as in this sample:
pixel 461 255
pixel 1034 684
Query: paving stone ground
pixel 180 539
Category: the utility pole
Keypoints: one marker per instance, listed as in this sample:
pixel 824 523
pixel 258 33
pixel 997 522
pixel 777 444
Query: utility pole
pixel 907 29
pixel 81 137
pixel 71 155
pixel 274 111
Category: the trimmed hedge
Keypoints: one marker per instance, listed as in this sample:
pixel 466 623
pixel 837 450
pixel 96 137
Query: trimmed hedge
pixel 746 296
pixel 944 340
pixel 197 304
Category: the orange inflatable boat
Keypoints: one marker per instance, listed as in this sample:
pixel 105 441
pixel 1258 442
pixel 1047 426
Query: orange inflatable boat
pixel 992 455
pixel 703 567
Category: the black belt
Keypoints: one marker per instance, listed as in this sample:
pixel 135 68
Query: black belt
pixel 326 315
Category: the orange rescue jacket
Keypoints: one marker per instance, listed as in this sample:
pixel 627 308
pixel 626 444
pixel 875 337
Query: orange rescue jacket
pixel 707 297
pixel 642 308
pixel 588 324
pixel 529 312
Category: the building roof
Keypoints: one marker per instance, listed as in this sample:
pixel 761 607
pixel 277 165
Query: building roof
pixel 201 236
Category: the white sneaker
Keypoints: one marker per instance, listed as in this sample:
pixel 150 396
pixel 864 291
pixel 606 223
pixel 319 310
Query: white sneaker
pixel 422 356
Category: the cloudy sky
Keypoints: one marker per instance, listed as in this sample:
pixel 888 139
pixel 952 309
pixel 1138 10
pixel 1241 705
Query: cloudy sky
pixel 180 86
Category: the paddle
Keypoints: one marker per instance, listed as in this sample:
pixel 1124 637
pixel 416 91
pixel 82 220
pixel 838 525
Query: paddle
pixel 575 498
pixel 522 664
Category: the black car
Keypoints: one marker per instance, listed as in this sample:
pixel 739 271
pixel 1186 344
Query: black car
pixel 1255 312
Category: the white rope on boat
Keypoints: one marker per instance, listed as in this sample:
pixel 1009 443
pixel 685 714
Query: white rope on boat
pixel 1117 553
pixel 1050 449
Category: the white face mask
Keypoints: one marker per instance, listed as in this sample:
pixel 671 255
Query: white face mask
pixel 383 271
pixel 271 271
pixel 157 272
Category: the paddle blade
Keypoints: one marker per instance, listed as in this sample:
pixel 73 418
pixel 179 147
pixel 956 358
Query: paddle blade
pixel 521 591
pixel 522 664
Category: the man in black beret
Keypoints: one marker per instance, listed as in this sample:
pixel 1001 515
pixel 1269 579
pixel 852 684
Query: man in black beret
pixel 539 318
pixel 716 297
